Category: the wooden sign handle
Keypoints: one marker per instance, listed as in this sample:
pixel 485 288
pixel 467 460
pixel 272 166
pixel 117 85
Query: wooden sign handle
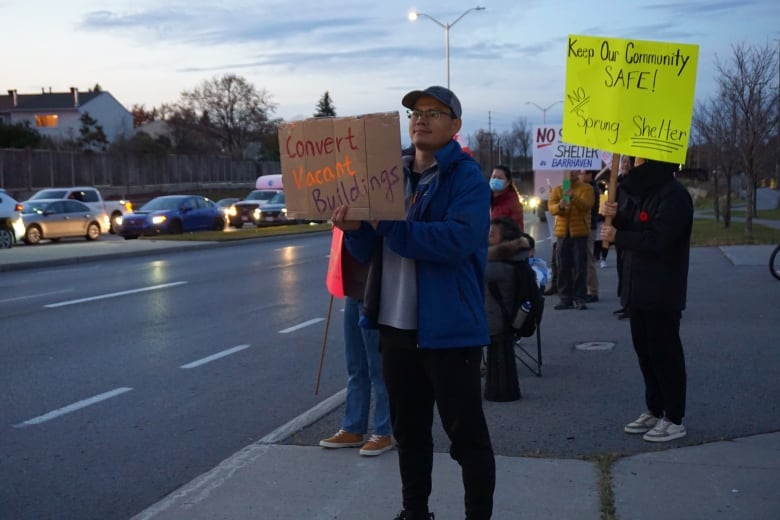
pixel 612 190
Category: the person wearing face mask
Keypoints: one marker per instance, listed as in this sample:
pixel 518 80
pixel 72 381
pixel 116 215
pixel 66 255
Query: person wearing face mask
pixel 505 200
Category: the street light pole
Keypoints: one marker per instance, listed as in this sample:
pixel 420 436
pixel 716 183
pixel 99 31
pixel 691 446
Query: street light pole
pixel 543 109
pixel 413 15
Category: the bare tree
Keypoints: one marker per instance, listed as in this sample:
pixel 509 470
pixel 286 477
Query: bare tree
pixel 236 111
pixel 511 148
pixel 746 87
pixel 714 126
pixel 141 115
pixel 521 135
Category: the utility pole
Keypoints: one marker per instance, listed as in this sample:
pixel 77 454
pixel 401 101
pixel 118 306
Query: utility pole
pixel 490 140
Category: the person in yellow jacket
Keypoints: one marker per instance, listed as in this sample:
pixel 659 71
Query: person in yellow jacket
pixel 571 208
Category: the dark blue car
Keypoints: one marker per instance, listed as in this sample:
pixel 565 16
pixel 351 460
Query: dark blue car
pixel 173 214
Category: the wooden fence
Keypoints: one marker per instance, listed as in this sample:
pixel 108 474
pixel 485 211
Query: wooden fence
pixel 22 172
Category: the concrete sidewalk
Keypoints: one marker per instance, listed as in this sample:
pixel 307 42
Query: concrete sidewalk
pixel 735 480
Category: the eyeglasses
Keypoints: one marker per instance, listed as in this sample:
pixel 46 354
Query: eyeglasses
pixel 432 115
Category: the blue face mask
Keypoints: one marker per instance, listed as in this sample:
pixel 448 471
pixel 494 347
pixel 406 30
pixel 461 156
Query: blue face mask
pixel 497 184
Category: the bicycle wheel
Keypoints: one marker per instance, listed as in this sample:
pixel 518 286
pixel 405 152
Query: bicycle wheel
pixel 774 263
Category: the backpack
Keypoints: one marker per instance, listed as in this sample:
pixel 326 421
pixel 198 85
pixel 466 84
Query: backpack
pixel 526 290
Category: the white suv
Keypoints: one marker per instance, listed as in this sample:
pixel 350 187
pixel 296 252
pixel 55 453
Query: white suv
pixel 11 225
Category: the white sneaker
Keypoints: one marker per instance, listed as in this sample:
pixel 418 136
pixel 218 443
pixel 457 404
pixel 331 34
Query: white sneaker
pixel 642 424
pixel 603 264
pixel 665 430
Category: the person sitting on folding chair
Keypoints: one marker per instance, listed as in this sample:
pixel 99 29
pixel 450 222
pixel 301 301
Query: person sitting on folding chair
pixel 506 244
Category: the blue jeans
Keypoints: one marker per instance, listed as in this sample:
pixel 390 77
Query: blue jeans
pixel 364 369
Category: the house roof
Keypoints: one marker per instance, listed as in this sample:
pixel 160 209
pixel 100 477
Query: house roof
pixel 54 101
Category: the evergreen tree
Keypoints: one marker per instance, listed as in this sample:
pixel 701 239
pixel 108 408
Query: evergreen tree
pixel 19 135
pixel 325 106
pixel 92 135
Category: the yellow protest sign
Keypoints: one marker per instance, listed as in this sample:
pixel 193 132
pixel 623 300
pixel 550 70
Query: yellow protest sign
pixel 633 97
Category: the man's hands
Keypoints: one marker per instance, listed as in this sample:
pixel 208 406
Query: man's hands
pixel 608 233
pixel 608 209
pixel 340 220
pixel 565 202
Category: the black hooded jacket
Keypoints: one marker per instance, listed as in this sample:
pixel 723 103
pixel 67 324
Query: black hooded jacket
pixel 654 221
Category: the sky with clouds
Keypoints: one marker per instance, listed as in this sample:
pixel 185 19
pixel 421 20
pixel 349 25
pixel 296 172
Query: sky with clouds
pixel 366 54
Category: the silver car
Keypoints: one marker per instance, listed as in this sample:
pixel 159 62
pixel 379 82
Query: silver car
pixel 48 219
pixel 11 225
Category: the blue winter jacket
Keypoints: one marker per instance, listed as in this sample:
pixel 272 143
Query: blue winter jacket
pixel 445 232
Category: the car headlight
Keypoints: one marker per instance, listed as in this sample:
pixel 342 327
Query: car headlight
pixel 257 213
pixel 118 220
pixel 232 211
pixel 159 219
pixel 284 211
pixel 534 202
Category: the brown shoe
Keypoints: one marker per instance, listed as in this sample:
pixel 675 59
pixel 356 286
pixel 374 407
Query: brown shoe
pixel 343 439
pixel 377 445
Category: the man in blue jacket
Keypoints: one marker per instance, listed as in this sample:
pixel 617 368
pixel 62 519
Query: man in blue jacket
pixel 427 297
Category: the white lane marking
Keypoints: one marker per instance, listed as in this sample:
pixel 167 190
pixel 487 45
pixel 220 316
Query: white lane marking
pixel 213 357
pixel 38 295
pixel 114 295
pixel 301 325
pixel 73 407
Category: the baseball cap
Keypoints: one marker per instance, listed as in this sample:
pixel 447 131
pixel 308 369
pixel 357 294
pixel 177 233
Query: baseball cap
pixel 444 95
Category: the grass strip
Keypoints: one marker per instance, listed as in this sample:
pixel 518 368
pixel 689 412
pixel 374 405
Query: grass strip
pixel 708 232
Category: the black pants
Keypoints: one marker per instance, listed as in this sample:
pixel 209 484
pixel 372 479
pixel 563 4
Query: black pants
pixel 599 253
pixel 572 269
pixel 416 379
pixel 656 337
pixel 501 382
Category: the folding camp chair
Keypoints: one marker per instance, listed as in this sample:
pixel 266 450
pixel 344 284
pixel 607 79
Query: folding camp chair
pixel 531 361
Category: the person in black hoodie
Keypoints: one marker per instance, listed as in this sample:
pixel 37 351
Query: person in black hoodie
pixel 652 227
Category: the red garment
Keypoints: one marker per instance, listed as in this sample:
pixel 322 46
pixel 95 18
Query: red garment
pixel 507 204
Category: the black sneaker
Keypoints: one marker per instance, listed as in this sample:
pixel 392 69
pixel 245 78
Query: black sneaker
pixel 591 298
pixel 563 306
pixel 580 306
pixel 621 310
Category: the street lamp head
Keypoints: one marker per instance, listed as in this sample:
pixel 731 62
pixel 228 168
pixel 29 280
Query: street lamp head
pixel 414 15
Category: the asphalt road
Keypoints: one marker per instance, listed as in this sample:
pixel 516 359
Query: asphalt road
pixel 123 379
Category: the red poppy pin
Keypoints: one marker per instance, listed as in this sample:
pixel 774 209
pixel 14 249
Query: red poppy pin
pixel 643 216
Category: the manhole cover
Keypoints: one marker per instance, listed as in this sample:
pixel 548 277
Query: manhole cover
pixel 595 345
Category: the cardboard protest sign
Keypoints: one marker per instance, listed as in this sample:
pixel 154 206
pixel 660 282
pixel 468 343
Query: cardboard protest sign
pixel 550 152
pixel 334 161
pixel 630 96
